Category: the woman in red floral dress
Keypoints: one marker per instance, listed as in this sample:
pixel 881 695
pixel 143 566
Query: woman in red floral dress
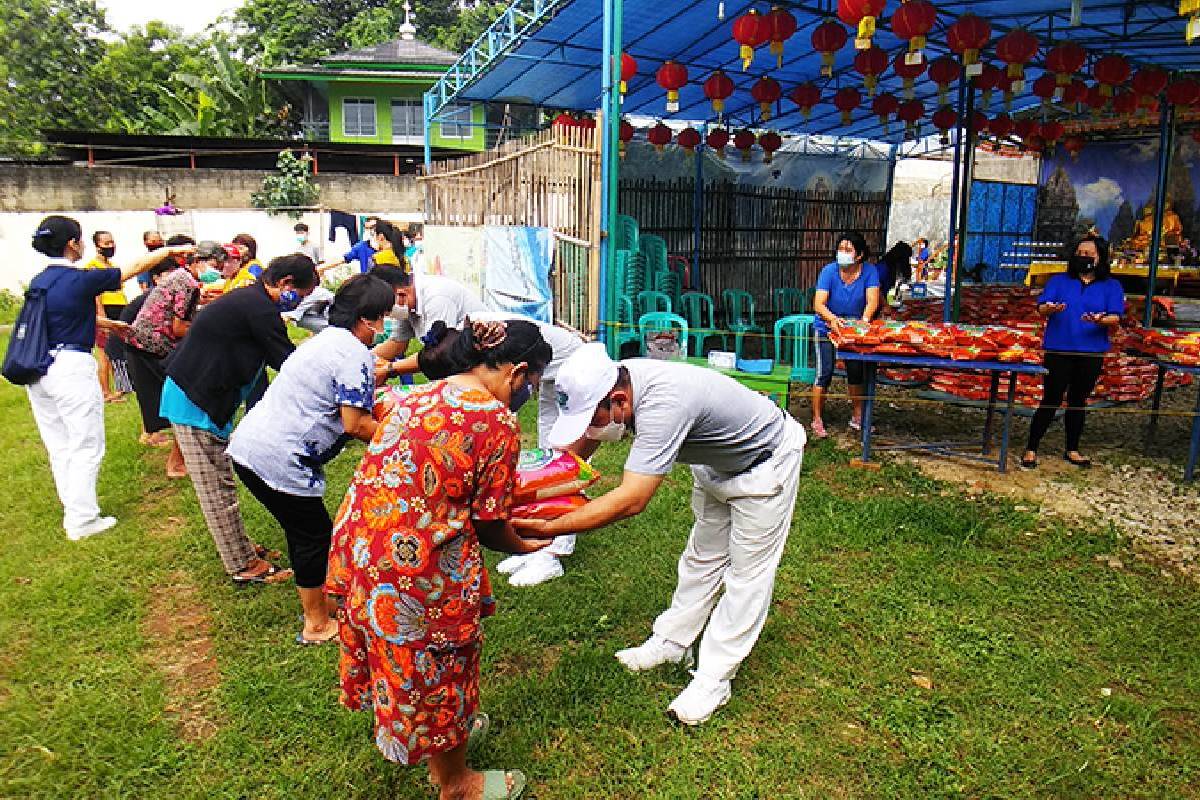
pixel 435 483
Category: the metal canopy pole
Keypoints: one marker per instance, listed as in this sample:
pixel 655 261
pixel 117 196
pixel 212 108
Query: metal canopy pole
pixel 427 100
pixel 609 166
pixel 963 123
pixel 698 215
pixel 1166 143
pixel 959 248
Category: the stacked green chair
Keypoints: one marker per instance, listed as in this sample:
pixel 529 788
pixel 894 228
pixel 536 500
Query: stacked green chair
pixel 700 312
pixel 670 284
pixel 626 330
pixel 655 321
pixel 739 316
pixel 792 337
pixel 654 248
pixel 649 301
pixel 788 301
pixel 626 232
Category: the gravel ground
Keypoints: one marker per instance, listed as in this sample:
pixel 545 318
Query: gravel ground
pixel 1135 488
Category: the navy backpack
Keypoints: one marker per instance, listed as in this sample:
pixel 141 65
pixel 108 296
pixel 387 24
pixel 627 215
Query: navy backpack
pixel 28 355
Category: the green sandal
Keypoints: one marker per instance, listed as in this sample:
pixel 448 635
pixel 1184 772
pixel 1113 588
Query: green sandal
pixel 495 784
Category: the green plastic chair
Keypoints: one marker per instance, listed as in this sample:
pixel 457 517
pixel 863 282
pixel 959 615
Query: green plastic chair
pixel 669 284
pixel 626 232
pixel 739 316
pixel 799 329
pixel 700 312
pixel 626 330
pixel 788 301
pixel 655 321
pixel 651 300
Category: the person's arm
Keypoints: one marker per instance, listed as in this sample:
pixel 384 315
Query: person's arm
pixel 501 536
pixel 627 500
pixel 873 300
pixel 358 423
pixel 153 258
pixel 822 310
pixel 273 337
pixel 1048 303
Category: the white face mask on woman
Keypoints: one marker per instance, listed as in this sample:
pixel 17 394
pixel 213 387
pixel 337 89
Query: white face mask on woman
pixel 845 259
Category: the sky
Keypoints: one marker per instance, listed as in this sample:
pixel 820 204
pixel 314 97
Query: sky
pixel 191 15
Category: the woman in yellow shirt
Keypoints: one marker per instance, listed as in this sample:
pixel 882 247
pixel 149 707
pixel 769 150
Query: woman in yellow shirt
pixel 114 374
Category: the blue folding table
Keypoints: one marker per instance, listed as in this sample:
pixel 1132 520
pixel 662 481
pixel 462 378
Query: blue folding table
pixel 871 363
pixel 1189 470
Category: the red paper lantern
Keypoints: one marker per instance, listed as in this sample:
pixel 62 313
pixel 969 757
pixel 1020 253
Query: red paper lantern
pixel 1016 49
pixel 716 139
pixel 884 106
pixel 1183 92
pixel 1149 83
pixel 1046 87
pixel 827 39
pixel 781 25
pixel 1096 100
pixel 672 76
pixel 625 134
pixel 629 67
pixel 987 82
pixel 659 136
pixel 1074 93
pixel 1000 126
pixel 979 122
pixel 1063 61
pixel 769 142
pixel 912 22
pixel 1125 103
pixel 1110 72
pixel 911 112
pixel 743 140
pixel 688 139
pixel 967 37
pixel 871 63
pixel 944 119
pixel 1051 131
pixel 718 88
pixel 944 71
pixel 907 72
pixel 846 100
pixel 806 96
pixel 861 14
pixel 1024 128
pixel 766 92
pixel 1035 143
pixel 750 31
pixel 1074 145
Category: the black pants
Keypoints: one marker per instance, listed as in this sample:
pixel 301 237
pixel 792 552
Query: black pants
pixel 1073 375
pixel 147 373
pixel 305 523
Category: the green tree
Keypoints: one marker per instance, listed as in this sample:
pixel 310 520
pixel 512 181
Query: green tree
pixel 290 188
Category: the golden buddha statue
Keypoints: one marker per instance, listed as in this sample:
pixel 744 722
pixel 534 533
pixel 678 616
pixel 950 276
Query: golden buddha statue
pixel 1143 230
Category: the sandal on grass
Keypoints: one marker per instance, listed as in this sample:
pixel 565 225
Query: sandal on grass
pixel 495 784
pixel 272 574
pixel 1082 463
pixel 1029 463
pixel 265 554
pixel 303 642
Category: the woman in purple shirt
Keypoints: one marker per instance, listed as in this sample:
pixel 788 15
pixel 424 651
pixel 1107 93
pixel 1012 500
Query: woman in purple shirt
pixel 1082 307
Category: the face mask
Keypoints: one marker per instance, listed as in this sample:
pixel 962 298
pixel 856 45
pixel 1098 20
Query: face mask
pixel 209 275
pixel 156 246
pixel 288 300
pixel 107 252
pixel 1084 265
pixel 612 432
pixel 845 259
pixel 301 240
pixel 400 312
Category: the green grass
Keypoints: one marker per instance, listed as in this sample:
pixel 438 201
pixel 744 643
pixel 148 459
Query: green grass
pixel 1016 624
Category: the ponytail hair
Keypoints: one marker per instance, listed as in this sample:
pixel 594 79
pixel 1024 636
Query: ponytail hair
pixel 395 238
pixel 449 351
pixel 53 233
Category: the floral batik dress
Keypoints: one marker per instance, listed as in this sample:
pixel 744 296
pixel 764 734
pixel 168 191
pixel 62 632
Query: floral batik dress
pixel 407 562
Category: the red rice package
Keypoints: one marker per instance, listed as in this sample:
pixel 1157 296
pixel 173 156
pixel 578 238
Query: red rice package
pixel 553 508
pixel 543 473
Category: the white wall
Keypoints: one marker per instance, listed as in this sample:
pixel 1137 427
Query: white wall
pixel 19 262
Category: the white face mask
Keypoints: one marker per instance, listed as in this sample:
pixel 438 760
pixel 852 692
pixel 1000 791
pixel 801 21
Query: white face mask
pixel 845 259
pixel 400 312
pixel 612 432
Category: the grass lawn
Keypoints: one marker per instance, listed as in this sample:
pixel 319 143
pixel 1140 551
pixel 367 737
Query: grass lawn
pixel 923 643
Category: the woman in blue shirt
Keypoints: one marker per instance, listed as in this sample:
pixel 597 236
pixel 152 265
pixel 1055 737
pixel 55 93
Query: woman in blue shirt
pixel 1082 307
pixel 68 405
pixel 847 289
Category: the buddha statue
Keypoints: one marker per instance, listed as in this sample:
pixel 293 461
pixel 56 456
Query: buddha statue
pixel 1172 229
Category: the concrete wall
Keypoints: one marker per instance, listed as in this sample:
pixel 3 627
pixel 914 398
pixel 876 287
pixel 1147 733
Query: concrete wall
pixel 78 188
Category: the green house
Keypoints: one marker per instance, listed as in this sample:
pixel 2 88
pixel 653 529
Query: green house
pixel 374 96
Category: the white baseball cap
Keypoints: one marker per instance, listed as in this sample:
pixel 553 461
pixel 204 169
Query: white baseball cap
pixel 584 380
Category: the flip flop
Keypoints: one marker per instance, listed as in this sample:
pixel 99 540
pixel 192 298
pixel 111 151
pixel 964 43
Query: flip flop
pixel 495 784
pixel 1032 464
pixel 300 640
pixel 273 575
pixel 1082 463
pixel 266 554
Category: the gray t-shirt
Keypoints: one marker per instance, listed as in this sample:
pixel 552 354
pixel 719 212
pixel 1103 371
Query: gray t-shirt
pixel 562 341
pixel 437 298
pixel 291 433
pixel 696 415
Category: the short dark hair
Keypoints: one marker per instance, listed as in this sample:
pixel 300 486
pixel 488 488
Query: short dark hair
pixel 458 351
pixel 53 233
pixel 180 239
pixel 438 358
pixel 396 277
pixel 300 226
pixel 361 297
pixel 299 267
pixel 151 234
pixel 96 236
pixel 1103 265
pixel 248 242
pixel 857 241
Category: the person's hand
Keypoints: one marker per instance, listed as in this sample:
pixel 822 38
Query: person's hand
pixel 1093 317
pixel 113 325
pixel 537 529
pixel 1054 308
pixel 836 324
pixel 383 371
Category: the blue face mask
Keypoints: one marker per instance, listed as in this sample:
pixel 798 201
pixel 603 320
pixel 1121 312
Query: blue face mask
pixel 288 300
pixel 520 398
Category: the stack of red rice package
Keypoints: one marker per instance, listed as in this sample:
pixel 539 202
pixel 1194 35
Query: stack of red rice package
pixel 549 483
pixel 1003 325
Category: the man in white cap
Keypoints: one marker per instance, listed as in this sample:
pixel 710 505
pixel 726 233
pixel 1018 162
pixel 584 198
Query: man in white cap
pixel 745 455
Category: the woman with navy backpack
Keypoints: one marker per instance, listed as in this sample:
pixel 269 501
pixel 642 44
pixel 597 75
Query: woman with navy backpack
pixel 67 402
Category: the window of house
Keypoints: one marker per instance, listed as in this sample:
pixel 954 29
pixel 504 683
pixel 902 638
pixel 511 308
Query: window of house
pixel 456 122
pixel 358 117
pixel 408 121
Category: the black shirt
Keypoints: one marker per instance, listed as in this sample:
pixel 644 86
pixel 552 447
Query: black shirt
pixel 225 349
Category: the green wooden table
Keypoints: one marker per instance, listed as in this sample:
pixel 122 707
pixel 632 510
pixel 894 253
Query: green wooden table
pixel 774 386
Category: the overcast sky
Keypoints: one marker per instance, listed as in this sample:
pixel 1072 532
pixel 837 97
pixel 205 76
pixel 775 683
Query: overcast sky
pixel 191 15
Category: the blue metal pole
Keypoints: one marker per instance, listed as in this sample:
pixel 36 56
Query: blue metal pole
pixel 427 100
pixel 959 132
pixel 959 248
pixel 609 160
pixel 1166 143
pixel 698 216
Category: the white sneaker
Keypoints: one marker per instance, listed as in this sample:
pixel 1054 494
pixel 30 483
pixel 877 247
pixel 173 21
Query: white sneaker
pixel 98 525
pixel 538 568
pixel 699 701
pixel 511 564
pixel 653 652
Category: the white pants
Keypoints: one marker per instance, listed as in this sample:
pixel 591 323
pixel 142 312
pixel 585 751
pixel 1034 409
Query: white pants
pixel 69 410
pixel 547 416
pixel 737 540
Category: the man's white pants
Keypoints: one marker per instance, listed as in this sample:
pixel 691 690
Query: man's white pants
pixel 737 540
pixel 69 410
pixel 547 416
